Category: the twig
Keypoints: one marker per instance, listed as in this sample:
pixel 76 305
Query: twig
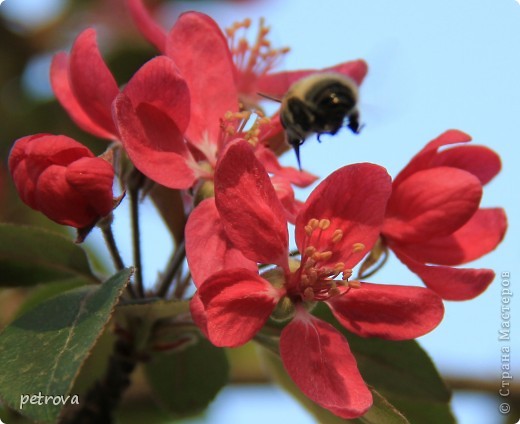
pixel 172 269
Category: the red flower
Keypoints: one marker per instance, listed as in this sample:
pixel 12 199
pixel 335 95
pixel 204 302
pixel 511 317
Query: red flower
pixel 178 112
pixel 61 178
pixel 85 87
pixel 335 228
pixel 433 216
pixel 252 63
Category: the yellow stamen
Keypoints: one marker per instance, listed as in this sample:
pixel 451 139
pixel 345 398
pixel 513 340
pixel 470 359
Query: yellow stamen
pixel 324 224
pixel 354 284
pixel 308 294
pixel 358 247
pixel 337 235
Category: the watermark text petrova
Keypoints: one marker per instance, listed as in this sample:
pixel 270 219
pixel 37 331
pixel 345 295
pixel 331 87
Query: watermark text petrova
pixel 41 399
pixel 504 337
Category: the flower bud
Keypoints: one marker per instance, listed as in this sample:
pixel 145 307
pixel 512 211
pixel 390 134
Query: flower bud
pixel 61 178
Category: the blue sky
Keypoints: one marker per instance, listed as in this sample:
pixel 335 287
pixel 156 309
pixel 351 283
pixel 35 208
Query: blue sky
pixel 433 66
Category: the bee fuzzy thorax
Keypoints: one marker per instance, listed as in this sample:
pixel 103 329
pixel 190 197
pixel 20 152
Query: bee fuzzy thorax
pixel 319 104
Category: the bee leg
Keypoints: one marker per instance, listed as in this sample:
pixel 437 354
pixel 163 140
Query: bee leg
pixel 353 122
pixel 296 143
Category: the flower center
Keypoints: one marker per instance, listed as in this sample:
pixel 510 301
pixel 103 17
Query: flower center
pixel 252 60
pixel 317 279
pixel 234 123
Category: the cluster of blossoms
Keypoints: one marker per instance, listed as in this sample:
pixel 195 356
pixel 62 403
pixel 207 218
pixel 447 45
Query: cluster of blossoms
pixel 180 121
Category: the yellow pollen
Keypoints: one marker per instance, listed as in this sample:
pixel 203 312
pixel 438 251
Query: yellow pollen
pixel 313 223
pixel 358 247
pixel 309 263
pixel 313 276
pixel 308 294
pixel 308 230
pixel 347 273
pixel 334 291
pixel 337 235
pixel 354 284
pixel 309 250
pixel 324 224
pixel 322 256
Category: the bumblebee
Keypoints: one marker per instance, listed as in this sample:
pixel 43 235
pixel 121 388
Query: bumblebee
pixel 319 104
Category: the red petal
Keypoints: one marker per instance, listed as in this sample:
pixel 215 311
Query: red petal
pixel 158 83
pixel 285 194
pixel 277 84
pixel 272 165
pixel 201 53
pixel 31 155
pixel 481 161
pixel 318 359
pixel 432 203
pixel 93 85
pixel 388 311
pixel 422 160
pixel 353 198
pixel 480 235
pixel 199 314
pixel 146 25
pixel 238 302
pixel 154 144
pixel 61 87
pixel 252 215
pixel 93 179
pixel 208 249
pixel 55 198
pixel 450 283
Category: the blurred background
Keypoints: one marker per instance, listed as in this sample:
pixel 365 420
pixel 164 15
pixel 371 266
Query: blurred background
pixel 432 66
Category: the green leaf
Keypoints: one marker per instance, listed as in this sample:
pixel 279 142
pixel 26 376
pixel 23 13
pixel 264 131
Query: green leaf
pixel 380 412
pixel 41 293
pixel 186 380
pixel 31 255
pixel 42 351
pixel 402 372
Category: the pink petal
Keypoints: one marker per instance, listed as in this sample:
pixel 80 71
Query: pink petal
pixel 200 51
pixel 277 84
pixel 291 174
pixel 159 84
pixel 318 359
pixel 154 144
pixel 252 215
pixel 432 203
pixel 208 249
pixel 480 235
pixel 146 25
pixel 388 311
pixel 353 198
pixel 422 160
pixel 481 161
pixel 93 85
pixel 61 87
pixel 237 302
pixel 450 283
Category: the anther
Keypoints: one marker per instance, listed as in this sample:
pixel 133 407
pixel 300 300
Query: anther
pixel 347 273
pixel 358 247
pixel 354 284
pixel 308 294
pixel 309 251
pixel 337 235
pixel 324 224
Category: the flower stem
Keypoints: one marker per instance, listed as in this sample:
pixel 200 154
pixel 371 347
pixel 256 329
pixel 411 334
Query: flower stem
pixel 134 212
pixel 108 235
pixel 103 398
pixel 171 271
